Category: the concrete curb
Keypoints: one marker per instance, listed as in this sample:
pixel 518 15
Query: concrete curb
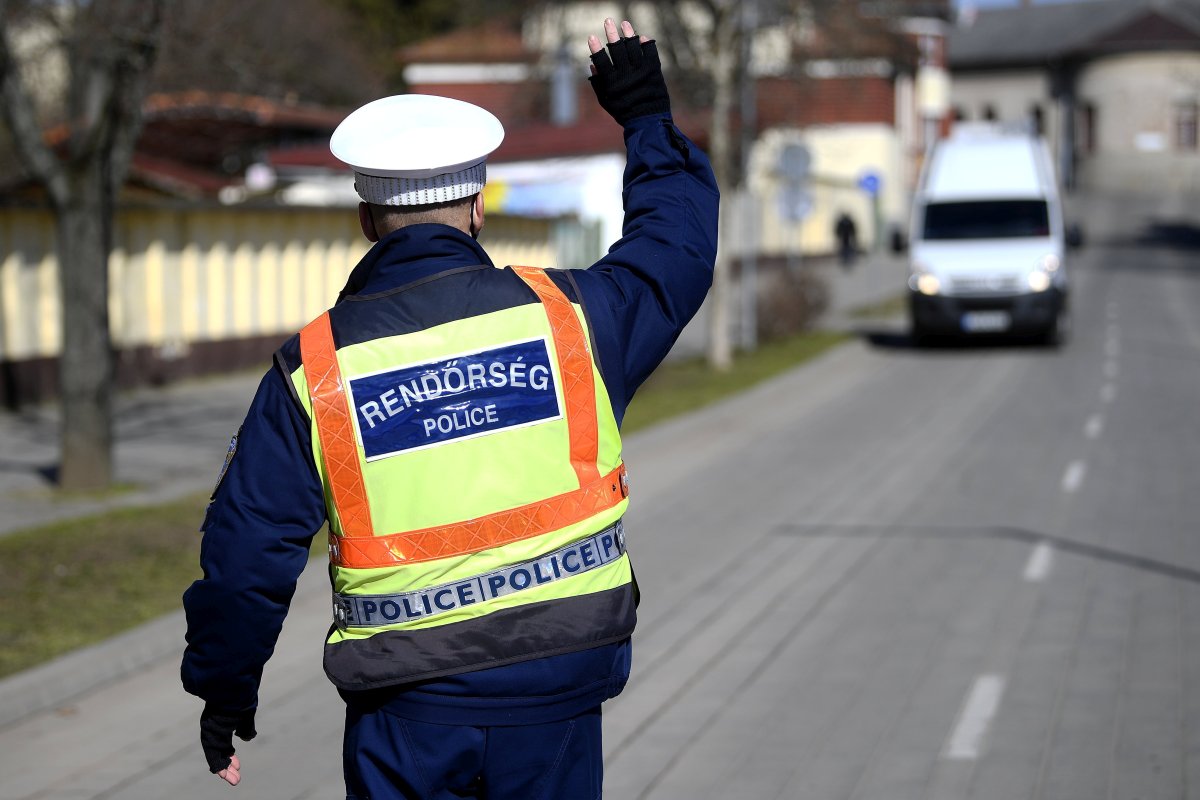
pixel 58 682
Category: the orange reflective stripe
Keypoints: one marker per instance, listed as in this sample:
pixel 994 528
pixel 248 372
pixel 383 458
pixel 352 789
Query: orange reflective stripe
pixel 472 536
pixel 575 368
pixel 331 413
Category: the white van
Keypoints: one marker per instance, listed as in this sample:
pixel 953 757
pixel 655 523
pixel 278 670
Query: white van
pixel 987 239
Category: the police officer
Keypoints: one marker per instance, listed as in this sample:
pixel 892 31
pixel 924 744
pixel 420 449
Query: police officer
pixel 457 427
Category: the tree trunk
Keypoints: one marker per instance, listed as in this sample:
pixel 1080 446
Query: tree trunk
pixel 84 222
pixel 720 345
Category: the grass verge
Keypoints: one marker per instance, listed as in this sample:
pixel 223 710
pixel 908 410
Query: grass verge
pixel 78 582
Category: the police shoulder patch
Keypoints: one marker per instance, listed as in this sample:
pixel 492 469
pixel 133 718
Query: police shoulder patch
pixel 229 454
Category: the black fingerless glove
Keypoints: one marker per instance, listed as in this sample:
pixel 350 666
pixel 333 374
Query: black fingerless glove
pixel 629 81
pixel 216 735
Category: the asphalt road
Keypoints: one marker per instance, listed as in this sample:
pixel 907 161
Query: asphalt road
pixel 964 572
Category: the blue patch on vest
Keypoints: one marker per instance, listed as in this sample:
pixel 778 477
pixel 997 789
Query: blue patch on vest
pixel 469 395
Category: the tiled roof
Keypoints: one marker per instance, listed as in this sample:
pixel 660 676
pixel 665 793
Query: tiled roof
pixel 262 111
pixel 1056 31
pixel 193 144
pixel 176 178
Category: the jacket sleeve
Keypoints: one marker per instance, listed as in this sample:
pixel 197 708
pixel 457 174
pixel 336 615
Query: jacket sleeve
pixel 642 293
pixel 266 508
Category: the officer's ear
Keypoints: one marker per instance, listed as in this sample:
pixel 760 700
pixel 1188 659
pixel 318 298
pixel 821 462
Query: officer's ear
pixel 476 214
pixel 367 223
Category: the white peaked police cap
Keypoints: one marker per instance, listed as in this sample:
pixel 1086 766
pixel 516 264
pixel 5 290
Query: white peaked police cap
pixel 417 149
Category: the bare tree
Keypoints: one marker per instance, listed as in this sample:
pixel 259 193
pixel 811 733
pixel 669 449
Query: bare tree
pixel 109 47
pixel 711 64
pixel 309 50
pixel 710 68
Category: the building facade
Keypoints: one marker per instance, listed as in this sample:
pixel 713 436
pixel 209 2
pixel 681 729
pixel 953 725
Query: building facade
pixel 1114 85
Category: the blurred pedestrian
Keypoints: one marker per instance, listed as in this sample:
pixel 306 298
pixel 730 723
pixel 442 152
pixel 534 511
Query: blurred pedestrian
pixel 846 233
pixel 457 426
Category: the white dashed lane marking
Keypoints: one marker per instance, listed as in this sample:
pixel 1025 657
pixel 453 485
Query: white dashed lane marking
pixel 1072 479
pixel 1111 369
pixel 1094 426
pixel 1108 392
pixel 1040 562
pixel 967 739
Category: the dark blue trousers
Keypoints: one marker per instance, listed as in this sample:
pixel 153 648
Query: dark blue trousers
pixel 389 758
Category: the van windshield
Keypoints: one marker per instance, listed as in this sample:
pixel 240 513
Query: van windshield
pixel 988 219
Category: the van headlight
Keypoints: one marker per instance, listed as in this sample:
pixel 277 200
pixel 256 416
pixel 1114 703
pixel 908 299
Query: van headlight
pixel 1042 277
pixel 923 281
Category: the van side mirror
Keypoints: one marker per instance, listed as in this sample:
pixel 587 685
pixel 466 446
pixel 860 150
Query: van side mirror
pixel 1074 237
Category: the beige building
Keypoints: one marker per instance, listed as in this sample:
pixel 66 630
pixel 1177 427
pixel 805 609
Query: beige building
pixel 1114 85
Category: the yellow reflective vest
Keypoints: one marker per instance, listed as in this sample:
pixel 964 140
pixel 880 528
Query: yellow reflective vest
pixel 473 477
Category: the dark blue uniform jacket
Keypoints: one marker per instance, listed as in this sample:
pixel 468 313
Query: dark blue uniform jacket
pixel 269 502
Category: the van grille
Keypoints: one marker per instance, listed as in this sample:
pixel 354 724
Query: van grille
pixel 985 284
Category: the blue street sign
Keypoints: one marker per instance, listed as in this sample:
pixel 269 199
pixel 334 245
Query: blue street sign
pixel 870 182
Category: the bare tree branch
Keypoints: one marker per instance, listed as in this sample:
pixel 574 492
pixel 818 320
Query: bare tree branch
pixel 22 120
pixel 681 49
pixel 137 57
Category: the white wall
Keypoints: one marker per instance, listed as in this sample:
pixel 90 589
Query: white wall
pixel 1136 94
pixel 587 187
pixel 1012 93
pixel 1136 97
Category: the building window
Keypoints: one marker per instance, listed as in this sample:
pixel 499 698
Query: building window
pixel 1185 125
pixel 1085 129
pixel 1037 120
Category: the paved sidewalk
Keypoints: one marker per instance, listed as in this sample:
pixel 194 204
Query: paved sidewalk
pixel 875 278
pixel 169 443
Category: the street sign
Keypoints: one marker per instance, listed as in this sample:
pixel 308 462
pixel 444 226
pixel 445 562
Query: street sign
pixel 795 203
pixel 794 163
pixel 870 182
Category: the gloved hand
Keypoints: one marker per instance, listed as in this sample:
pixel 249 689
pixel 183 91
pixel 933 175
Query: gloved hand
pixel 217 728
pixel 628 78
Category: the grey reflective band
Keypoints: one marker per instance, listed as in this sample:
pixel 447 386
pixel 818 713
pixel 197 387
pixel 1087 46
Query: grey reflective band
pixel 377 610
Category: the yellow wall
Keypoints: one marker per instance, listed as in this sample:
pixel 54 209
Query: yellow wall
pixel 206 274
pixel 840 155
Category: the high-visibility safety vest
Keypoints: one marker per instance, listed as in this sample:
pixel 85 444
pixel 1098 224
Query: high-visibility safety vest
pixel 473 477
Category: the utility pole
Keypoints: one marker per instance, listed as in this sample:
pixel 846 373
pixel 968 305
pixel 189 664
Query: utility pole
pixel 724 55
pixel 749 337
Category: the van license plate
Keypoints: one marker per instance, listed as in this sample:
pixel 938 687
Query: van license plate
pixel 985 321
